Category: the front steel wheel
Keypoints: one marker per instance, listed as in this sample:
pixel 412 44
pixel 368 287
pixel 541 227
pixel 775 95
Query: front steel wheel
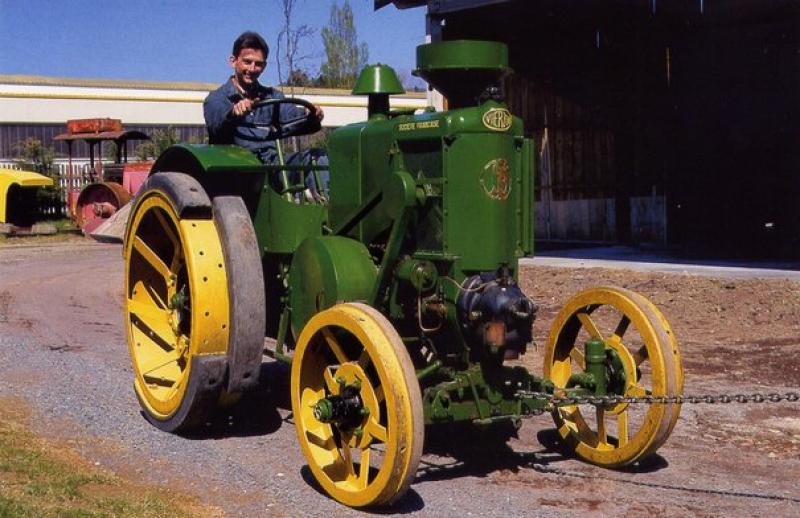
pixel 176 303
pixel 644 360
pixel 357 405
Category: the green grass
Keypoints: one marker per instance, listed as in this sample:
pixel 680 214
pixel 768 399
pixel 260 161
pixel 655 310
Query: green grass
pixel 36 481
pixel 63 225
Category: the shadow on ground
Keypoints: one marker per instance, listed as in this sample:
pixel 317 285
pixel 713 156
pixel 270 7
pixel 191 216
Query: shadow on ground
pixel 408 503
pixel 478 452
pixel 257 411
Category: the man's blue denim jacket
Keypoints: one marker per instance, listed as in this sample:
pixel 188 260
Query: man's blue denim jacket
pixel 224 128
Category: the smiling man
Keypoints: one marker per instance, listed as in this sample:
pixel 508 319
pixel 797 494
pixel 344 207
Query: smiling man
pixel 231 113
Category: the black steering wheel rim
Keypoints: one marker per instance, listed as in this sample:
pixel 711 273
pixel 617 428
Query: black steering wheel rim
pixel 292 127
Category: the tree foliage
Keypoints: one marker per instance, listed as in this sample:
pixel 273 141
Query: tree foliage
pixel 159 141
pixel 36 156
pixel 345 56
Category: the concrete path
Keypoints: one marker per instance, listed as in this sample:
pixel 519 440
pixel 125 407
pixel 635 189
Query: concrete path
pixel 629 258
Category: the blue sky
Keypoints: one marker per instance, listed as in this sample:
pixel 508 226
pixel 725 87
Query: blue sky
pixel 178 40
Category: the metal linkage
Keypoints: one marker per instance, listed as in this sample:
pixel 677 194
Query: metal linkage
pixel 614 399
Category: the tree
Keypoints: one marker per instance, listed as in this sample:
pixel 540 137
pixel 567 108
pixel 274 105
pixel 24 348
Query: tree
pixel 40 158
pixel 34 155
pixel 288 53
pixel 160 140
pixel 345 56
pixel 298 78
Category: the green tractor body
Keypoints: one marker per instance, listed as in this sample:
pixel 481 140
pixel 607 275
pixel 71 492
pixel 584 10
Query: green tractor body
pixel 393 293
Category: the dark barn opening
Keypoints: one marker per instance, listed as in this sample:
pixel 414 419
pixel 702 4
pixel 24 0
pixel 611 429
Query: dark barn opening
pixel 667 122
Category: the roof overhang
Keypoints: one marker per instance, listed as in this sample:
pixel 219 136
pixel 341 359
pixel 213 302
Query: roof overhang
pixel 729 10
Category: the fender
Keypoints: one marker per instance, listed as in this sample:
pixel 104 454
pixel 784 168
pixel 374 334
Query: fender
pixel 199 159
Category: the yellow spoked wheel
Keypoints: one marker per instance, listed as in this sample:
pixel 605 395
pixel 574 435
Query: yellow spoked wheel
pixel 646 361
pixel 357 405
pixel 176 304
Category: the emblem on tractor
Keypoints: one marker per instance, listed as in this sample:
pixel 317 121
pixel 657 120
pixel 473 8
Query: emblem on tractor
pixel 497 119
pixel 495 179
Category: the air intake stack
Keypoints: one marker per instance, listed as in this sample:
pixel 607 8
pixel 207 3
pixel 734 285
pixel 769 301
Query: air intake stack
pixel 462 70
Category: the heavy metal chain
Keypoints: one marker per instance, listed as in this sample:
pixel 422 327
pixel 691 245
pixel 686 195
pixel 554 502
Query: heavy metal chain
pixel 614 399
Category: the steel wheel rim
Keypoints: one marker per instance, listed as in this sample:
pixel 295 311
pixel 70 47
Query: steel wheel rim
pixel 354 470
pixel 592 441
pixel 169 259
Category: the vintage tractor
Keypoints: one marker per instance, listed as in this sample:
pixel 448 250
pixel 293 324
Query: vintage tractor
pixel 393 294
pixel 112 184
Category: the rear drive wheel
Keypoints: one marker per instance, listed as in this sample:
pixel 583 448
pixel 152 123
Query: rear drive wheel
pixel 176 306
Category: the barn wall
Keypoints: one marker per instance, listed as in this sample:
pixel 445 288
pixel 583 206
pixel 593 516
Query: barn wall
pixel 683 124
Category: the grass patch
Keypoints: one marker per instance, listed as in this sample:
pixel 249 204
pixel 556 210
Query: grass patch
pixel 38 480
pixel 63 225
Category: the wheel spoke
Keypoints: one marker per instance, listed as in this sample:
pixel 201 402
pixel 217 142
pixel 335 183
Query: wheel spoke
pixel 622 428
pixel 151 258
pixel 155 321
pixel 347 457
pixel 363 469
pixel 161 380
pixel 376 430
pixel 614 340
pixel 379 397
pixel 640 355
pixel 602 436
pixel 333 386
pixel 622 327
pixel 167 228
pixel 326 443
pixel 364 359
pixel 577 355
pixel 636 391
pixel 335 346
pixel 155 296
pixel 151 368
pixel 589 325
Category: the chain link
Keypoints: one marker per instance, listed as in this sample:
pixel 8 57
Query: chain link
pixel 614 399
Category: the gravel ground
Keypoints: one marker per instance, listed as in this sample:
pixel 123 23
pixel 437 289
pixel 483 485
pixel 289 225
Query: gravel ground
pixel 62 349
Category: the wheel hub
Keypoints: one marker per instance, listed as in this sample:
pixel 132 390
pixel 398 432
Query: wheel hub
pixel 345 409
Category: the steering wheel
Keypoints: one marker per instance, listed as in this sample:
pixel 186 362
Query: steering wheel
pixel 302 125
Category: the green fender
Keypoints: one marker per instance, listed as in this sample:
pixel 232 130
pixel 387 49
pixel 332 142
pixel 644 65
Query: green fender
pixel 326 271
pixel 280 224
pixel 198 159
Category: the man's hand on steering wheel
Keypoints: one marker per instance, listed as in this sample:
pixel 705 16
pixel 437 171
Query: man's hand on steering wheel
pixel 318 113
pixel 243 107
pixel 309 122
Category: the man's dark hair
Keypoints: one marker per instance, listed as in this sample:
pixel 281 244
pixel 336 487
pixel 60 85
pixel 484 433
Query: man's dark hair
pixel 250 40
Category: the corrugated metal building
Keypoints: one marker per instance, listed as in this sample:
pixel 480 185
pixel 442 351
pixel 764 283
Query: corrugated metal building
pixel 661 121
pixel 37 106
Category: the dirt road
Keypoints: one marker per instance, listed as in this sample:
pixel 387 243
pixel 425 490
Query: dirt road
pixel 62 349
